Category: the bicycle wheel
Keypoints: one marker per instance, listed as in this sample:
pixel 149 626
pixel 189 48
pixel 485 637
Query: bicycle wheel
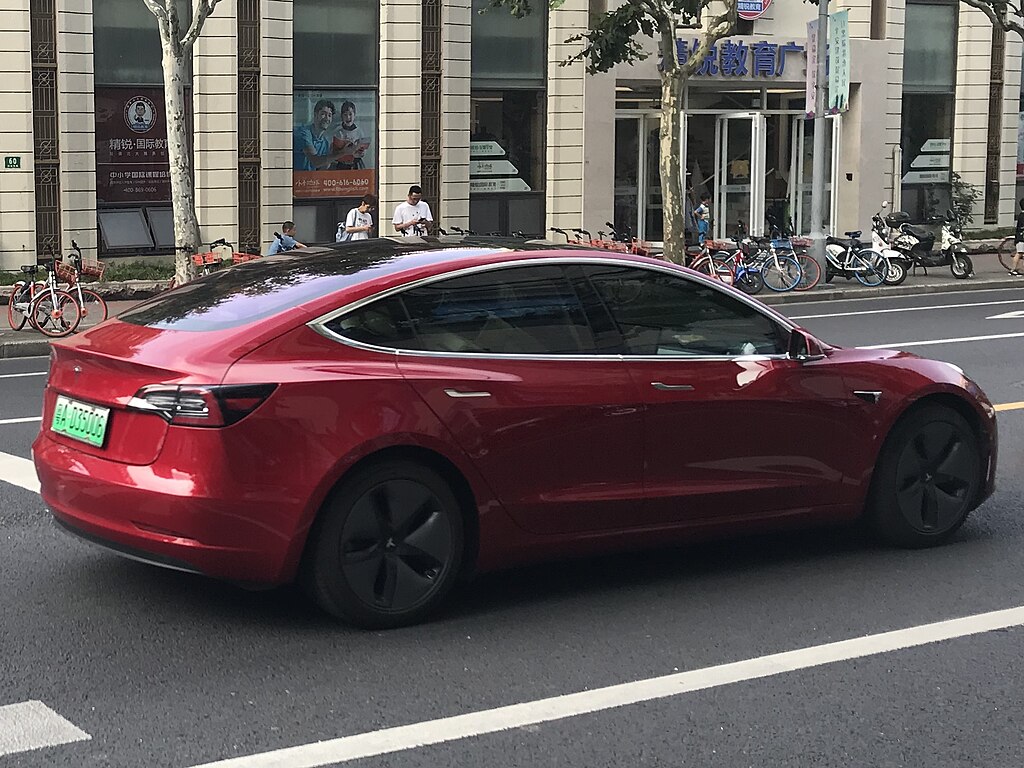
pixel 1007 248
pixel 750 282
pixel 714 267
pixel 781 274
pixel 94 309
pixel 811 273
pixel 869 267
pixel 55 313
pixel 15 316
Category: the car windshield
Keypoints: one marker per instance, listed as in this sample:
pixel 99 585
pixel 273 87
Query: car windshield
pixel 263 288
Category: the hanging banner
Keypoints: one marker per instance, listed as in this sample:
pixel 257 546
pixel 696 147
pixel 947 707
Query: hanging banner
pixel 839 62
pixel 812 68
pixel 333 144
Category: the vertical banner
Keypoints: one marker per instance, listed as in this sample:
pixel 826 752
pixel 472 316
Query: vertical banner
pixel 131 146
pixel 334 152
pixel 839 62
pixel 812 68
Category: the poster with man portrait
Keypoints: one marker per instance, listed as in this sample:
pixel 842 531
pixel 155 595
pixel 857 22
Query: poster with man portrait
pixel 132 164
pixel 334 144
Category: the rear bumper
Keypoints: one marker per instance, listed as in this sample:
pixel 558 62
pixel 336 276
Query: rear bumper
pixel 161 516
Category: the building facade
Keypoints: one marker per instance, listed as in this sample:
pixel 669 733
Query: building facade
pixel 299 107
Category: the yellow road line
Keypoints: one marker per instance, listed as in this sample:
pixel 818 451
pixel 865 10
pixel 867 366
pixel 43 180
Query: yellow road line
pixel 1010 407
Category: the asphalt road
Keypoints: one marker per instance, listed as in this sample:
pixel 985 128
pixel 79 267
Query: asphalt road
pixel 165 669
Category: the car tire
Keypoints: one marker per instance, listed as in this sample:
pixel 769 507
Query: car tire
pixel 387 547
pixel 927 477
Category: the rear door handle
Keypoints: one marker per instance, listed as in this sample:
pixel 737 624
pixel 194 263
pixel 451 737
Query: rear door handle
pixel 454 393
pixel 671 387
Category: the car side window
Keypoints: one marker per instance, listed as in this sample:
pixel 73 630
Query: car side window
pixel 530 310
pixel 663 314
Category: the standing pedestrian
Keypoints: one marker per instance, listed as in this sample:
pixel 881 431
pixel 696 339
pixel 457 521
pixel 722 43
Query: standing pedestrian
pixel 413 218
pixel 703 216
pixel 1018 237
pixel 359 223
pixel 689 219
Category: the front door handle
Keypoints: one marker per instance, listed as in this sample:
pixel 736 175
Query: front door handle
pixel 458 395
pixel 671 387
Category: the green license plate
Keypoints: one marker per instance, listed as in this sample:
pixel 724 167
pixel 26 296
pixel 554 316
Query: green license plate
pixel 80 421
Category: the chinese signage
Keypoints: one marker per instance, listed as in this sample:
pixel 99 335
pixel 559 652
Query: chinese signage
pixel 334 147
pixel 839 62
pixel 738 58
pixel 131 146
pixel 931 166
pixel 488 160
pixel 811 97
pixel 752 9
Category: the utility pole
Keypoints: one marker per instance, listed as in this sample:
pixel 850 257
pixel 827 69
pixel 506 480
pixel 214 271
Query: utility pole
pixel 819 166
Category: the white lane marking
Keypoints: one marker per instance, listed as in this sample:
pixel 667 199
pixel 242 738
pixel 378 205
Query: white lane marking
pixel 389 740
pixel 33 725
pixel 907 309
pixel 862 299
pixel 18 471
pixel 902 344
pixel 23 420
pixel 1008 316
pixel 20 375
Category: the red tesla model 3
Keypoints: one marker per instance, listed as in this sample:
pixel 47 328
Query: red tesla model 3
pixel 377 418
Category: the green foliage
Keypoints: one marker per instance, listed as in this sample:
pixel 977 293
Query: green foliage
pixel 965 197
pixel 138 270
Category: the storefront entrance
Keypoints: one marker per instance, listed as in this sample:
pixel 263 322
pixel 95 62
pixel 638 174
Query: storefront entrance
pixel 755 167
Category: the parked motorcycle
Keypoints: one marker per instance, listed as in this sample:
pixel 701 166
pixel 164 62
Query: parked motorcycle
pixel 881 238
pixel 917 243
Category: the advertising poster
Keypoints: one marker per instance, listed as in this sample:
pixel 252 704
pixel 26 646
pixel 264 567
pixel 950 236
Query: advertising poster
pixel 131 146
pixel 839 62
pixel 335 148
pixel 753 9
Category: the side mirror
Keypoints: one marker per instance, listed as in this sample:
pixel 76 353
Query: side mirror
pixel 804 348
pixel 885 204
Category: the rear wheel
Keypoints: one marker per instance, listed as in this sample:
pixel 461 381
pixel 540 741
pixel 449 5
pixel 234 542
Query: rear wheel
pixel 716 267
pixel 388 546
pixel 16 317
pixel 961 266
pixel 926 479
pixel 750 282
pixel 811 272
pixel 781 274
pixel 55 313
pixel 1007 249
pixel 870 267
pixel 897 272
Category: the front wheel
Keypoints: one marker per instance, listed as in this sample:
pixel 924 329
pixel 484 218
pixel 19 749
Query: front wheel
pixel 781 274
pixel 1007 250
pixel 750 282
pixel 94 309
pixel 869 267
pixel 811 272
pixel 927 477
pixel 715 267
pixel 17 306
pixel 387 547
pixel 897 272
pixel 55 313
pixel 961 266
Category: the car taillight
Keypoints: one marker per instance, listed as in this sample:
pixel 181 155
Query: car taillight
pixel 201 406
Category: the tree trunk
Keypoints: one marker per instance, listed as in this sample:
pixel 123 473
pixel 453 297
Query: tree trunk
pixel 672 193
pixel 187 238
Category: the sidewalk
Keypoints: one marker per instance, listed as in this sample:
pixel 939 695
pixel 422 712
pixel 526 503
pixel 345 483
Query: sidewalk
pixel 988 275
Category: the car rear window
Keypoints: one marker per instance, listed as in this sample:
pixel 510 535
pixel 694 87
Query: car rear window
pixel 260 289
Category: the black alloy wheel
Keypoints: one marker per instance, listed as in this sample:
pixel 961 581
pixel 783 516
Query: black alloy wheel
pixel 388 546
pixel 927 478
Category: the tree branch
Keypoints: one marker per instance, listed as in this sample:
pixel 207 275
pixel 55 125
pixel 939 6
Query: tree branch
pixel 718 27
pixel 202 9
pixel 1002 17
pixel 156 9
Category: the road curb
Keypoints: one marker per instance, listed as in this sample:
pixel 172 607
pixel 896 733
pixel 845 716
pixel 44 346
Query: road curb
pixel 27 348
pixel 839 294
pixel 125 290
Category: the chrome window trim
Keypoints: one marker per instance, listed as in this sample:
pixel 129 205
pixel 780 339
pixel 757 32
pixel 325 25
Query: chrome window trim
pixel 319 324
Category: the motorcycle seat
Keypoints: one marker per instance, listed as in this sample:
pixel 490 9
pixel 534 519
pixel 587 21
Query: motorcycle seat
pixel 841 242
pixel 854 235
pixel 919 232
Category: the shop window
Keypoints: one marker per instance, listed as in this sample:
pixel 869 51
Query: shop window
pixel 927 132
pixel 126 42
pixel 508 51
pixel 125 228
pixel 929 54
pixel 336 42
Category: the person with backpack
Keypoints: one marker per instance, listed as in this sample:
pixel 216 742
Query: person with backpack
pixel 359 223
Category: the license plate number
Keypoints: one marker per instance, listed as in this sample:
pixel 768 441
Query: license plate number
pixel 80 421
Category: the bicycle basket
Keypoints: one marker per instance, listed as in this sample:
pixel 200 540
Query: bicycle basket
pixel 206 259
pixel 65 273
pixel 239 258
pixel 93 269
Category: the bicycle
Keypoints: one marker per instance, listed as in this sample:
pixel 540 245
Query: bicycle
pixel 1007 250
pixel 781 272
pixel 716 265
pixel 51 311
pixel 68 276
pixel 210 261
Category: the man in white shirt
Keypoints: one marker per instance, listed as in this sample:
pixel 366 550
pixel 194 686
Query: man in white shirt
pixel 359 223
pixel 412 218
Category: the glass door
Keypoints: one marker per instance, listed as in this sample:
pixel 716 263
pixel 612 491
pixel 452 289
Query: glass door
pixel 627 174
pixel 739 174
pixel 802 164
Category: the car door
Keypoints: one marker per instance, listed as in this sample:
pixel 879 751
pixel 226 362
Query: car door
pixel 733 428
pixel 511 364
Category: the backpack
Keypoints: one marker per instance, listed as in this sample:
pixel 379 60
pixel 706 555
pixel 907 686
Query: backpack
pixel 343 235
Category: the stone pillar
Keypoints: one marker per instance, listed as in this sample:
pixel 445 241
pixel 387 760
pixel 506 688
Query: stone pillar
pixel 565 110
pixel 970 122
pixel 277 106
pixel 1011 117
pixel 215 136
pixel 400 53
pixel 456 51
pixel 76 120
pixel 17 186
